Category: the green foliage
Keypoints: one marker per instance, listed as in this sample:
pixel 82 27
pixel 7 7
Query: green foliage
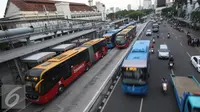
pixel 131 14
pixel 4 46
pixel 195 16
pixel 198 2
pixel 136 14
pixel 111 16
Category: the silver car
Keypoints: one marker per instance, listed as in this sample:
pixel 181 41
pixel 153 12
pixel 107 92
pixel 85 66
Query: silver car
pixel 148 33
pixel 163 51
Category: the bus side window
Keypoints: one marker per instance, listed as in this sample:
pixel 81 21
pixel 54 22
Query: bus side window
pixel 64 70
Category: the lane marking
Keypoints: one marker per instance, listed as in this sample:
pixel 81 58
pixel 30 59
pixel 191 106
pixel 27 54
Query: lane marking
pixel 181 44
pixel 188 54
pixel 172 71
pixel 110 95
pixel 141 104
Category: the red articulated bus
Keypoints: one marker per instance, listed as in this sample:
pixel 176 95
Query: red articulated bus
pixel 125 37
pixel 46 80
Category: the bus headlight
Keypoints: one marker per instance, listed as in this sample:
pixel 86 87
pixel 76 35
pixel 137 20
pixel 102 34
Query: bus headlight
pixel 35 78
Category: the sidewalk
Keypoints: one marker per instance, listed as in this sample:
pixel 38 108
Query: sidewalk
pixel 193 33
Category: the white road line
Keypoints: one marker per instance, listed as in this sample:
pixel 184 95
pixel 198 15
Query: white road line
pixel 141 104
pixel 181 44
pixel 188 54
pixel 172 71
pixel 110 95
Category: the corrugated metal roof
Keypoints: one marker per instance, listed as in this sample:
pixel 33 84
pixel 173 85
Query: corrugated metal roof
pixel 38 5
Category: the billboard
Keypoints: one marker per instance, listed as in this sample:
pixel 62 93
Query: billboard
pixel 161 3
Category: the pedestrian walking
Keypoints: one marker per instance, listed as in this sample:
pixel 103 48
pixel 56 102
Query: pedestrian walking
pixel 198 42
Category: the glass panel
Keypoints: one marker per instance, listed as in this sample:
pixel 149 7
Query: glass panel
pixel 134 77
pixel 30 86
pixel 34 72
pixel 120 40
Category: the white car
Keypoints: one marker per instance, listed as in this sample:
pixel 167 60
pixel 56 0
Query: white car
pixel 148 33
pixel 163 51
pixel 195 60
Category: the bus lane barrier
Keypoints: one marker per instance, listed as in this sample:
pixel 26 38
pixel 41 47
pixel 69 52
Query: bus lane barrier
pixel 99 99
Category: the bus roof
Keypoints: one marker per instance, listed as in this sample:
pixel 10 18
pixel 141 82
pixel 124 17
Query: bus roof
pixel 63 47
pixel 38 57
pixel 60 58
pixel 124 31
pixel 195 101
pixel 94 41
pixel 108 34
pixel 130 27
pixel 114 31
pixel 138 55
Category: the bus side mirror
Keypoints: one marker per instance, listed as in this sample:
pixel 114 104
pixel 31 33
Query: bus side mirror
pixel 38 84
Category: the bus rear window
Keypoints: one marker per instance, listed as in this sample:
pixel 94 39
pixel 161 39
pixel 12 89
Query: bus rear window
pixel 134 77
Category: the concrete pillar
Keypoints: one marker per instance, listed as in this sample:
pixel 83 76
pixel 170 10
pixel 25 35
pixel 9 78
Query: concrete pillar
pixel 28 41
pixel 19 70
pixel 55 34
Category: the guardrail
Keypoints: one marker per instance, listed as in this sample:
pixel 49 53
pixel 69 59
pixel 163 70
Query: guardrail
pixel 103 93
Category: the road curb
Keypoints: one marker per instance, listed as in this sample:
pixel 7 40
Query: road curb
pixel 99 99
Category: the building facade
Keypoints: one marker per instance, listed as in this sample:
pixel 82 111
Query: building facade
pixel 147 4
pixel 35 9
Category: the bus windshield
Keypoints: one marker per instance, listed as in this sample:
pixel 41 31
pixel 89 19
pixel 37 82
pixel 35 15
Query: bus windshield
pixel 120 40
pixel 134 77
pixel 155 26
pixel 196 110
pixel 34 72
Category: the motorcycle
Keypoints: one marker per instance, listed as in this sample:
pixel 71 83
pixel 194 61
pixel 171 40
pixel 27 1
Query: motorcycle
pixel 171 65
pixel 164 87
pixel 168 36
pixel 153 40
pixel 151 50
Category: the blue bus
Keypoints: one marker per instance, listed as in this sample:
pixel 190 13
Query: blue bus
pixel 133 23
pixel 136 68
pixel 110 37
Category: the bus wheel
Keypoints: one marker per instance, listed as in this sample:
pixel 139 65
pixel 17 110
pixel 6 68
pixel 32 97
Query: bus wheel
pixel 87 68
pixel 60 89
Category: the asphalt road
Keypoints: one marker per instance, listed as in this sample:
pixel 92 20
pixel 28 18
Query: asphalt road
pixel 156 101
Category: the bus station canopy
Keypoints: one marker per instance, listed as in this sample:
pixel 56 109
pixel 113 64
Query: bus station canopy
pixel 39 57
pixel 135 63
pixel 63 47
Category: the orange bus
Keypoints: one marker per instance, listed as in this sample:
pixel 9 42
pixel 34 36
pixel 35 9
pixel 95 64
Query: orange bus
pixel 46 80
pixel 125 37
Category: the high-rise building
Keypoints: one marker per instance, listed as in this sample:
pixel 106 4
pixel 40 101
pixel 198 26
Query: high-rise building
pixel 129 7
pixel 160 3
pixel 117 9
pixel 147 4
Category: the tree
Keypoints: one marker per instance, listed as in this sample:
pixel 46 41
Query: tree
pixel 198 2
